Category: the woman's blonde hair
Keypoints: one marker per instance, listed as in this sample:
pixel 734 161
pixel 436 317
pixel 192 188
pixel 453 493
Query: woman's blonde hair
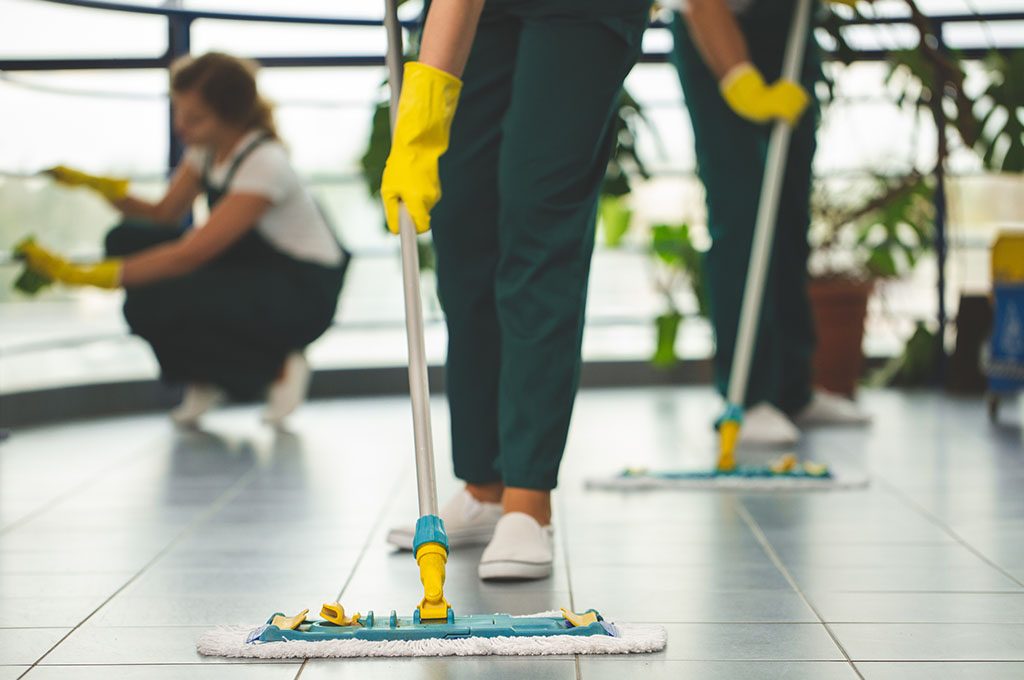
pixel 228 86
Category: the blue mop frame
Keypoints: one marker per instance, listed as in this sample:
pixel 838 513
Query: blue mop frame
pixel 406 628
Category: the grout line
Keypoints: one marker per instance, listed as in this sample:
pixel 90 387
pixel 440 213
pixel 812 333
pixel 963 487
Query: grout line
pixel 777 561
pixel 568 577
pixel 904 497
pixel 229 494
pixel 228 661
pixel 392 498
pixel 81 486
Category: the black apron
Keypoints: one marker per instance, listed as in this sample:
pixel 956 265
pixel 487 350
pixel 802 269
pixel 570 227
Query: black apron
pixel 232 322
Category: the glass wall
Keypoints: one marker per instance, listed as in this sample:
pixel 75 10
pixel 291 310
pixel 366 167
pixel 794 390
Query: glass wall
pixel 116 121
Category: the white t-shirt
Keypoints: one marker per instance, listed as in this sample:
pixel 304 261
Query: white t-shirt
pixel 292 223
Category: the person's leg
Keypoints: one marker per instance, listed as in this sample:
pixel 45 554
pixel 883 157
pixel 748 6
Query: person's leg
pixel 554 153
pixel 768 29
pixel 465 234
pixel 216 356
pixel 225 326
pixel 796 324
pixel 731 155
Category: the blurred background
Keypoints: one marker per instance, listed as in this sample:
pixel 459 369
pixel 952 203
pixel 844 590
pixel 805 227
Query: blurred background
pixel 85 84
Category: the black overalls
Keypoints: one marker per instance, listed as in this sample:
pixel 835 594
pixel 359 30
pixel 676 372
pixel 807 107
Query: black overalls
pixel 232 322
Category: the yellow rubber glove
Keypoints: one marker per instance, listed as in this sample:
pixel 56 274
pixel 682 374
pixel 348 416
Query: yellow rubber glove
pixel 425 112
pixel 105 274
pixel 111 188
pixel 746 93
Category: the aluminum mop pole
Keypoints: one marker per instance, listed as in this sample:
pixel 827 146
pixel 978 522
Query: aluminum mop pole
pixel 430 544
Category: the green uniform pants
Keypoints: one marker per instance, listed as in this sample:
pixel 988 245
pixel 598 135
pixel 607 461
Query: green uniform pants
pixel 731 156
pixel 514 230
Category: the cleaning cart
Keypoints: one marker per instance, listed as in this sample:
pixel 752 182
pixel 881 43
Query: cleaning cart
pixel 1004 364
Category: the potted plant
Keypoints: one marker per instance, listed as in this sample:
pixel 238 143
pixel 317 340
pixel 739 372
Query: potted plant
pixel 929 78
pixel 858 240
pixel 679 270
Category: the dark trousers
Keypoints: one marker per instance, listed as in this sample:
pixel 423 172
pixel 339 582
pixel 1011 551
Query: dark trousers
pixel 514 229
pixel 231 322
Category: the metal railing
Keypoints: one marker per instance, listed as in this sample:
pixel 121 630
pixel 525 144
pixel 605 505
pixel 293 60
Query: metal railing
pixel 179 40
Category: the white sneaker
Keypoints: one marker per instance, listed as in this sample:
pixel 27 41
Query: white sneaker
pixel 467 521
pixel 198 400
pixel 521 550
pixel 827 408
pixel 285 395
pixel 765 425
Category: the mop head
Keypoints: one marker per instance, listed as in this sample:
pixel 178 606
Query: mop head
pixel 541 634
pixel 784 474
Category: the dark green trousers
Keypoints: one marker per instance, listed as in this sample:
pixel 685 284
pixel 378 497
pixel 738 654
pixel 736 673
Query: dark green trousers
pixel 731 156
pixel 514 229
pixel 232 322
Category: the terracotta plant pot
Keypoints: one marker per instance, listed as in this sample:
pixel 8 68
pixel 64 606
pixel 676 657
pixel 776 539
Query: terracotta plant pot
pixel 840 307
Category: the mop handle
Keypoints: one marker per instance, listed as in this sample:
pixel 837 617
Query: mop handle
pixel 767 213
pixel 419 388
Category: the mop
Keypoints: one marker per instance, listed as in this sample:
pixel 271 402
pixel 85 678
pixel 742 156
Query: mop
pixel 433 629
pixel 787 471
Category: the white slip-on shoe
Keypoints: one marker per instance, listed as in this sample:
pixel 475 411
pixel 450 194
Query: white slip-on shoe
pixel 198 400
pixel 467 521
pixel 765 425
pixel 828 408
pixel 521 550
pixel 285 395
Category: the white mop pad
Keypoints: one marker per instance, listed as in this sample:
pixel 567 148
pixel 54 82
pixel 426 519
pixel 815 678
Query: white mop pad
pixel 230 641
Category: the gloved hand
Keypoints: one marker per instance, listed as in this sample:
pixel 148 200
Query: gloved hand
pixel 111 188
pixel 425 112
pixel 746 93
pixel 105 274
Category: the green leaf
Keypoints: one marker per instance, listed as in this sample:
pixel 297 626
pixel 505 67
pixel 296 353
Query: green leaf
pixel 881 263
pixel 915 366
pixel 669 242
pixel 667 328
pixel 673 246
pixel 615 219
pixel 1005 95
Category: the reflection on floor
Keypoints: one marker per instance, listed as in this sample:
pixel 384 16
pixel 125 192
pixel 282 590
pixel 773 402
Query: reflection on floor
pixel 122 540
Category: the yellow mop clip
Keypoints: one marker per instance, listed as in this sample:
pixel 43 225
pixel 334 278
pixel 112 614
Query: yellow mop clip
pixel 335 613
pixel 289 622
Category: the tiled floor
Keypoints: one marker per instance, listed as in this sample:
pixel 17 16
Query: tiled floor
pixel 122 540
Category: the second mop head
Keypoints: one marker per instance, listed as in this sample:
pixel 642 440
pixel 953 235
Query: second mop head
pixel 785 473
